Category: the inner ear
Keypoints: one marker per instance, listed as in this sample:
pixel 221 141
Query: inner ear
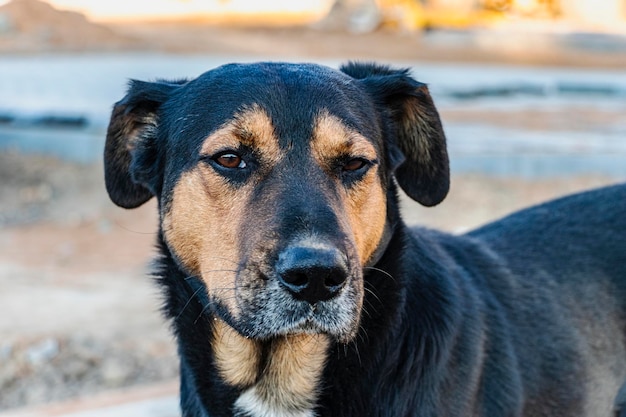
pixel 131 167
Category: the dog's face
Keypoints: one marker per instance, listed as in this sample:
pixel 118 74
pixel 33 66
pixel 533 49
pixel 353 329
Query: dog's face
pixel 273 183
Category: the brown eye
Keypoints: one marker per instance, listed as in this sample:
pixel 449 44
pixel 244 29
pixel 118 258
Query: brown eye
pixel 231 161
pixel 354 164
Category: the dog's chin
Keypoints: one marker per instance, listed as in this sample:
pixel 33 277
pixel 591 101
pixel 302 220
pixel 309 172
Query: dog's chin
pixel 341 326
pixel 310 327
pixel 313 327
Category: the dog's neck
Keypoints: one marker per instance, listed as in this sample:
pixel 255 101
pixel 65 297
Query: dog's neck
pixel 279 378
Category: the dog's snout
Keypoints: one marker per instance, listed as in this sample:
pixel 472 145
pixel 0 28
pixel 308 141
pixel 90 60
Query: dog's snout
pixel 312 274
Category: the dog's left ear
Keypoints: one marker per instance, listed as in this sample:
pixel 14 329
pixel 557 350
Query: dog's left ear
pixel 131 148
pixel 425 173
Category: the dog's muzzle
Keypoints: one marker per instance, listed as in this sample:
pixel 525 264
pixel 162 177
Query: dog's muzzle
pixel 310 287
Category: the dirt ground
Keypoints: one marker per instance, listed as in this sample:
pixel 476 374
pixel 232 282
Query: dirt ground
pixel 79 311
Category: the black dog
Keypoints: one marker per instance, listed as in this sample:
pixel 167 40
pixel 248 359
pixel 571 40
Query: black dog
pixel 295 289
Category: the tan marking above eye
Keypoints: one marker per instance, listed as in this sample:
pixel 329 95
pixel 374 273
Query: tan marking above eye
pixel 333 140
pixel 250 127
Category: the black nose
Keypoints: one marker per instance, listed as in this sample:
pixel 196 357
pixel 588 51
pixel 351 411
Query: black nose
pixel 312 273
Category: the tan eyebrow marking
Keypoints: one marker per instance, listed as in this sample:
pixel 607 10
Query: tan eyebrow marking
pixel 251 127
pixel 332 139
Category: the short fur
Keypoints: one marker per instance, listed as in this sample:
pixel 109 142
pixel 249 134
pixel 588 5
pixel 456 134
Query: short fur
pixel 295 289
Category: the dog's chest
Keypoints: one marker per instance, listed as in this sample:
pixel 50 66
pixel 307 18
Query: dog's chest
pixel 281 380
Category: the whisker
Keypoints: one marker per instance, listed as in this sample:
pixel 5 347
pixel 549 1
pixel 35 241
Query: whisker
pixel 221 270
pixel 368 313
pixel 380 270
pixel 221 259
pixel 289 345
pixel 373 294
pixel 191 277
pixel 365 337
pixel 210 271
pixel 204 309
pixel 228 297
pixel 187 303
pixel 121 226
pixel 224 289
pixel 358 354
pixel 360 336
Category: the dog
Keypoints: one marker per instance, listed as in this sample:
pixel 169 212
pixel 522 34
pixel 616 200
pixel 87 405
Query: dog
pixel 294 288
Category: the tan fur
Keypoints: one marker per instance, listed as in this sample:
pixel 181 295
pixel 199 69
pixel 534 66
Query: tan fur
pixel 332 138
pixel 364 202
pixel 365 205
pixel 237 358
pixel 294 366
pixel 201 227
pixel 288 381
pixel 182 218
pixel 251 127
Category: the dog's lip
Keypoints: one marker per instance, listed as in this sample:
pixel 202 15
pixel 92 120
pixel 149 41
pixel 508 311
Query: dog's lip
pixel 309 322
pixel 315 323
pixel 307 326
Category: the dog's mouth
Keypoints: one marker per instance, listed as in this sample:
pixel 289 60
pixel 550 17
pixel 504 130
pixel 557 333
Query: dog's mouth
pixel 322 319
pixel 272 312
pixel 337 320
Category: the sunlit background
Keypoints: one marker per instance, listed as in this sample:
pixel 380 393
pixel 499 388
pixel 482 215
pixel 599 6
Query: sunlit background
pixel 532 94
pixel 111 11
pixel 600 15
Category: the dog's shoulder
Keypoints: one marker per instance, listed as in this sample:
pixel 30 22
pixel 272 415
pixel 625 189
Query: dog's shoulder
pixel 594 217
pixel 580 239
pixel 572 243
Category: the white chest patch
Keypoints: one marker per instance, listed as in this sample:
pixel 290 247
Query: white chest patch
pixel 250 404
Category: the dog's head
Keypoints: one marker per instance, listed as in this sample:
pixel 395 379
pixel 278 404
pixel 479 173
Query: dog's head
pixel 273 182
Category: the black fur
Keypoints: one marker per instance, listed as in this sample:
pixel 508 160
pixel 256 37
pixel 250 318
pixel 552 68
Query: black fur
pixel 522 317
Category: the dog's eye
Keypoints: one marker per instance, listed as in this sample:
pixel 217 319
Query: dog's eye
pixel 230 160
pixel 354 164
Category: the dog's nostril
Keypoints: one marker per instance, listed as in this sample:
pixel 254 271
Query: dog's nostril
pixel 334 280
pixel 312 274
pixel 296 278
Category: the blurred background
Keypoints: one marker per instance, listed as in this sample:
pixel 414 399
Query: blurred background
pixel 532 94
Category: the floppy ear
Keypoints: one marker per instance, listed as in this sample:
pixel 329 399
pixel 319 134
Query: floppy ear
pixel 425 173
pixel 131 151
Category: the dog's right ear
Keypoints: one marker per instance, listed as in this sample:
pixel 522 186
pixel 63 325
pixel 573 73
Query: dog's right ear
pixel 131 154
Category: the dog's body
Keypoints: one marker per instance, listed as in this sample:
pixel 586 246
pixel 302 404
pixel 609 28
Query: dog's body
pixel 295 289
